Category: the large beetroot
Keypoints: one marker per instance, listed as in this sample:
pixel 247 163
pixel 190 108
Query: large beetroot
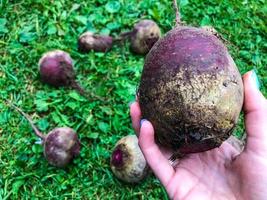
pixel 191 90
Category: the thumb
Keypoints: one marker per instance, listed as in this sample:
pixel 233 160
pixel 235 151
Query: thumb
pixel 255 108
pixel 254 100
pixel 156 160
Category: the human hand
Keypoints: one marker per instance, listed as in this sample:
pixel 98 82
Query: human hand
pixel 221 173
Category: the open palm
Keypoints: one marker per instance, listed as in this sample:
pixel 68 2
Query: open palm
pixel 221 173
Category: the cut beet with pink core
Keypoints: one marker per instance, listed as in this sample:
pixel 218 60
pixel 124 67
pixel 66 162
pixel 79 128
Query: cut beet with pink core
pixel 127 161
pixel 117 158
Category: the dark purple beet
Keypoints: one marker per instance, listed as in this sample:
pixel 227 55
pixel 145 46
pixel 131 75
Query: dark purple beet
pixel 191 90
pixel 61 145
pixel 56 69
pixel 98 43
pixel 127 161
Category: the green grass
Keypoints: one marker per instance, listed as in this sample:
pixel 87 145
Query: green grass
pixel 28 28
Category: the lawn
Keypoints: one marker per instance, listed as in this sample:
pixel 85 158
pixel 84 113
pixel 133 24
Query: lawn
pixel 28 28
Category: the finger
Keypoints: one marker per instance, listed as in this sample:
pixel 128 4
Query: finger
pixel 254 100
pixel 135 113
pixel 255 108
pixel 236 143
pixel 231 148
pixel 156 160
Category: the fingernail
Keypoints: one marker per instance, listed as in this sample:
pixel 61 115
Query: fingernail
pixel 129 104
pixel 142 121
pixel 255 79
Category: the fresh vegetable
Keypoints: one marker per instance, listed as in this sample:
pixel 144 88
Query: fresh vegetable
pixel 144 35
pixel 56 69
pixel 127 161
pixel 61 145
pixel 190 89
pixel 98 43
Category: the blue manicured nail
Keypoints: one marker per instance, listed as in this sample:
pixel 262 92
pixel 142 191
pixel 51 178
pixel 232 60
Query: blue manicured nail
pixel 129 104
pixel 255 79
pixel 142 121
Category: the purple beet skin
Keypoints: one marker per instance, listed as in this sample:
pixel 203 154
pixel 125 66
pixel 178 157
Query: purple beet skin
pixel 91 42
pixel 61 145
pixel 191 90
pixel 56 68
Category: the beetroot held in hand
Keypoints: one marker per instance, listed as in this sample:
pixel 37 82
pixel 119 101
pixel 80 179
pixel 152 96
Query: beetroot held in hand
pixel 191 90
pixel 144 35
pixel 56 69
pixel 61 145
pixel 98 43
pixel 127 161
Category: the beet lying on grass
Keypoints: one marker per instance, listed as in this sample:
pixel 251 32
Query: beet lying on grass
pixel 191 90
pixel 56 69
pixel 143 36
pixel 61 145
pixel 127 161
pixel 98 43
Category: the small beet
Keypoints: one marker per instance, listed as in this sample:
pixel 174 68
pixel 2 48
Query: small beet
pixel 56 69
pixel 127 161
pixel 98 43
pixel 61 145
pixel 144 35
pixel 190 90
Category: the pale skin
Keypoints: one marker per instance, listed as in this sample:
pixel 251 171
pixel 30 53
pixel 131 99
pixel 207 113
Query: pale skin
pixel 224 173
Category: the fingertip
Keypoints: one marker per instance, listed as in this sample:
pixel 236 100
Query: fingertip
pixel 145 125
pixel 131 102
pixel 137 98
pixel 255 107
pixel 156 160
pixel 135 109
pixel 251 80
pixel 146 137
pixel 247 75
pixel 253 97
pixel 135 113
pixel 132 105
